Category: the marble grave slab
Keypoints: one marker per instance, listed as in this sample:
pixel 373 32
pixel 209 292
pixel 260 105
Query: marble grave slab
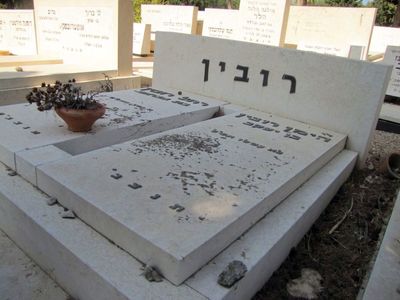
pixel 175 200
pixel 29 138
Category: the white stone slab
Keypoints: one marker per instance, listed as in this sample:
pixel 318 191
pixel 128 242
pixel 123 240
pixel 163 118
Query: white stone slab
pixel 319 25
pixel 18 95
pixel 21 278
pixel 89 33
pixel 331 92
pixel 81 260
pixel 383 37
pixel 263 21
pixel 78 252
pixel 17 31
pixel 227 173
pixel 173 18
pixel 130 114
pixel 342 51
pixel 28 60
pixel 383 282
pixel 390 112
pixel 141 39
pixel 392 58
pixel 221 23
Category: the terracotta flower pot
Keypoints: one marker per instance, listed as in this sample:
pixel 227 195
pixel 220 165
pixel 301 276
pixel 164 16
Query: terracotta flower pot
pixel 81 120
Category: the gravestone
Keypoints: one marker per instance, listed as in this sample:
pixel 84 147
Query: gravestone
pixel 383 37
pixel 17 31
pixel 279 81
pixel 186 194
pixel 176 199
pixel 30 138
pixel 319 26
pixel 342 51
pixel 141 39
pixel 392 58
pixel 90 33
pixel 221 23
pixel 171 18
pixel 263 21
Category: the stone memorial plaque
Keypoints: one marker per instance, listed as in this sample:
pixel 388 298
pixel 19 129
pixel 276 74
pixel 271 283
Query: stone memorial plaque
pixel 263 21
pixel 383 37
pixel 319 25
pixel 342 51
pixel 221 23
pixel 176 199
pixel 141 39
pixel 130 114
pixel 173 18
pixel 392 57
pixel 74 32
pixel 17 31
pixel 89 33
pixel 297 85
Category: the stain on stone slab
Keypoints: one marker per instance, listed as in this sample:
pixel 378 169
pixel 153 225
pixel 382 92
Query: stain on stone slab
pixel 177 207
pixel 12 173
pixel 233 272
pixel 155 197
pixel 135 186
pixel 116 176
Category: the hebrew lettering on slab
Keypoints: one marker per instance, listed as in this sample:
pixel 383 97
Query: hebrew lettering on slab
pixel 292 80
pixel 245 74
pixel 206 63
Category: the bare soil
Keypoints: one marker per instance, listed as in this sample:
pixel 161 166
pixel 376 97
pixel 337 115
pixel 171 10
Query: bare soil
pixel 343 257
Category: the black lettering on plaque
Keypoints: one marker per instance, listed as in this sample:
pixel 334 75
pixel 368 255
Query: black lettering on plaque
pixel 292 80
pixel 222 64
pixel 265 74
pixel 245 74
pixel 206 63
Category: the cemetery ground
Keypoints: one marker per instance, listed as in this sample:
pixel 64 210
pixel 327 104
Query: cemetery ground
pixel 345 256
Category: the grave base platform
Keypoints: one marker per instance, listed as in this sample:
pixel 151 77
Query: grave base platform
pixel 17 95
pixel 88 266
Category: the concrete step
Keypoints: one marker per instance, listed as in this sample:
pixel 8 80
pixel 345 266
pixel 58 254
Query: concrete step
pixel 88 266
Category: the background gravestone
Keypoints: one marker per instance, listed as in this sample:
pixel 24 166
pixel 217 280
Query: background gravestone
pixel 392 58
pixel 263 21
pixel 320 26
pixel 221 23
pixel 17 31
pixel 91 33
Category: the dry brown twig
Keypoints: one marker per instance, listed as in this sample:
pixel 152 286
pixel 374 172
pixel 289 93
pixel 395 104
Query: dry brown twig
pixel 342 219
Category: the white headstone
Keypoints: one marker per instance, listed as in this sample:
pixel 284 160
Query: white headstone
pixel 221 23
pixel 338 26
pixel 331 92
pixel 325 49
pixel 17 31
pixel 383 37
pixel 90 33
pixel 141 39
pixel 173 18
pixel 176 199
pixel 263 21
pixel 392 58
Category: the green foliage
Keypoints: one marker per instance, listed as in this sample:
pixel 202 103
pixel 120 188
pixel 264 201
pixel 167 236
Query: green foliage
pixel 386 11
pixel 350 3
pixel 138 3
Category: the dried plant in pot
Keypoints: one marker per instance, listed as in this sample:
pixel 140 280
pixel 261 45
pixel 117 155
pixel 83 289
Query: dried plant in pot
pixel 79 110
